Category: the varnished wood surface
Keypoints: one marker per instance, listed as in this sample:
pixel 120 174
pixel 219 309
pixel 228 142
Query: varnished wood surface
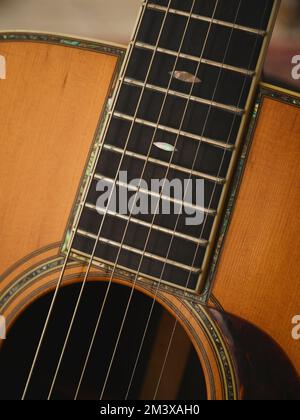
pixel 50 105
pixel 258 278
pixel 75 272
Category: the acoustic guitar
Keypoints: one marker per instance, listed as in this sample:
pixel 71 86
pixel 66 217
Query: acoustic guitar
pixel 149 212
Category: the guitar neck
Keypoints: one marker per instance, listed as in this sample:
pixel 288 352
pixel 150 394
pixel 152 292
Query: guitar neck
pixel 179 113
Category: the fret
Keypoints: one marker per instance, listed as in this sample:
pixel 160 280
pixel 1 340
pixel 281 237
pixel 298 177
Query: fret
pixel 229 45
pixel 195 58
pixel 148 193
pixel 165 164
pixel 135 169
pixel 201 232
pixel 97 210
pixel 252 14
pixel 259 32
pixel 209 159
pixel 164 221
pixel 139 252
pixel 151 269
pixel 224 85
pixel 228 108
pixel 183 133
pixel 199 119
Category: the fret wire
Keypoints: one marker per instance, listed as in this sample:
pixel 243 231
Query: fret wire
pixel 161 127
pixel 163 163
pixel 140 222
pixel 213 63
pixel 136 251
pixel 99 262
pixel 255 31
pixel 100 177
pixel 228 108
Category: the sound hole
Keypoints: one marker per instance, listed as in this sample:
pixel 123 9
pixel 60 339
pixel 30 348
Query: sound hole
pixel 182 378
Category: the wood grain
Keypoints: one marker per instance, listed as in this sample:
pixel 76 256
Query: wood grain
pixel 50 105
pixel 258 276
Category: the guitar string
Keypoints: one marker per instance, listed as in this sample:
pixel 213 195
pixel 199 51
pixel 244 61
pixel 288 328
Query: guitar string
pixel 87 186
pixel 176 320
pixel 106 212
pixel 102 393
pixel 178 218
pixel 124 236
pixel 157 207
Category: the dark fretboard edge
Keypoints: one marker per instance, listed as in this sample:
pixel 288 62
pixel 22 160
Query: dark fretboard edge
pixel 203 286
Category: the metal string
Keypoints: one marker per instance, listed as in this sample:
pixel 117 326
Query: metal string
pixel 212 195
pixel 150 229
pixel 239 101
pixel 127 309
pixel 103 220
pixel 77 306
pixel 178 218
pixel 120 249
pixel 68 255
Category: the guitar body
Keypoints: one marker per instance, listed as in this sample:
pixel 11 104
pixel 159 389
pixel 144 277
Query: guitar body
pixel 52 107
pixel 259 281
pixel 53 137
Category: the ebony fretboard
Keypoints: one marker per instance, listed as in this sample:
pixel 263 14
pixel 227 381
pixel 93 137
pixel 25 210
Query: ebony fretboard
pixel 219 46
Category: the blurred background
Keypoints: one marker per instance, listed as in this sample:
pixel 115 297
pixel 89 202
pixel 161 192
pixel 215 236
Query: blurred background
pixel 113 21
pixel 284 46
